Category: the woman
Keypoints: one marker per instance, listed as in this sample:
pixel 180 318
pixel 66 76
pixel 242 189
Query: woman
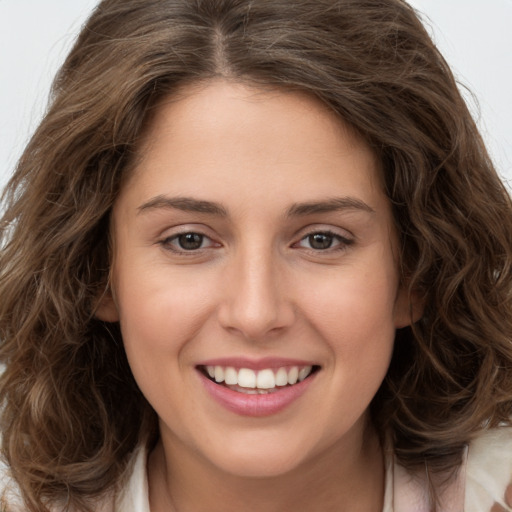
pixel 255 249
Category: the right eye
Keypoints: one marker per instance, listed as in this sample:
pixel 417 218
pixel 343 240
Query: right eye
pixel 187 242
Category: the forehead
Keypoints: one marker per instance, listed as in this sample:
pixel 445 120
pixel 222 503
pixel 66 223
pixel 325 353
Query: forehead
pixel 219 131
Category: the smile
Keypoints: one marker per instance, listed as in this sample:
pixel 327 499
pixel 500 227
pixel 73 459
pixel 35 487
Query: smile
pixel 249 381
pixel 263 390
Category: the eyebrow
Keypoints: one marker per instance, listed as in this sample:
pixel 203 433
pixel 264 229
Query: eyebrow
pixel 186 204
pixel 189 204
pixel 330 205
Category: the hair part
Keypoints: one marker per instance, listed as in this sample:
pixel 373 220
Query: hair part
pixel 71 411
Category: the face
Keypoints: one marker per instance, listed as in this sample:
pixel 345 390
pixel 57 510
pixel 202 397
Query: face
pixel 255 278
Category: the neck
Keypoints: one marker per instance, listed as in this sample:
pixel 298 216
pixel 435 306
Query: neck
pixel 346 477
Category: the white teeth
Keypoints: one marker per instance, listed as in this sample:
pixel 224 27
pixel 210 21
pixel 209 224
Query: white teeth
pixel 246 378
pixel 219 374
pixel 262 380
pixel 304 372
pixel 231 376
pixel 293 375
pixel 265 379
pixel 281 377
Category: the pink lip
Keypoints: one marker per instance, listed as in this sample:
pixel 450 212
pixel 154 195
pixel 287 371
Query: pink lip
pixel 255 405
pixel 255 364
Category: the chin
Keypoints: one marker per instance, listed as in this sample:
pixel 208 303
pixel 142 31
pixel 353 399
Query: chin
pixel 258 462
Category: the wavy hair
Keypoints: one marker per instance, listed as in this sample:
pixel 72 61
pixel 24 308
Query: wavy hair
pixel 71 414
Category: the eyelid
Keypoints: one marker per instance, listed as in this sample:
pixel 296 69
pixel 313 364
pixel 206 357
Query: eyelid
pixel 165 239
pixel 311 229
pixel 344 239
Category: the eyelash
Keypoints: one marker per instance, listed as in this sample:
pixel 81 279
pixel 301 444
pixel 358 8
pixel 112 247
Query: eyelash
pixel 341 245
pixel 167 243
pixel 342 242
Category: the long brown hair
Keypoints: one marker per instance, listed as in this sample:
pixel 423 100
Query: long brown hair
pixel 71 412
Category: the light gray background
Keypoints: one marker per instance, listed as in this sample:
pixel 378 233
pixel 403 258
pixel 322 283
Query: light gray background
pixel 35 35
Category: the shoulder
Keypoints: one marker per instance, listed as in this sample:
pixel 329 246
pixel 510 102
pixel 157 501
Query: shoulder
pixel 479 483
pixel 488 469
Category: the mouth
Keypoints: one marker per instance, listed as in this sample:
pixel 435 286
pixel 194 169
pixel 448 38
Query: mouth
pixel 257 382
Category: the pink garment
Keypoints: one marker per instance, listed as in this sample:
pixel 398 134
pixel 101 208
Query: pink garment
pixel 480 482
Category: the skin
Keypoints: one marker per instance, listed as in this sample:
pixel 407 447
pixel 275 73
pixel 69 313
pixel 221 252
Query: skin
pixel 508 500
pixel 257 287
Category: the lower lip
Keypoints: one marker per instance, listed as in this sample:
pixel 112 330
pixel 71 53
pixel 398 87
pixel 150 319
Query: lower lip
pixel 255 405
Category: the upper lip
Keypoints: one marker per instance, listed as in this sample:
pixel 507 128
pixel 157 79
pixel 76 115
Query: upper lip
pixel 256 364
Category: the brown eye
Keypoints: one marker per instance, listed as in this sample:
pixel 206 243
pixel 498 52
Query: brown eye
pixel 320 241
pixel 187 242
pixel 190 241
pixel 326 241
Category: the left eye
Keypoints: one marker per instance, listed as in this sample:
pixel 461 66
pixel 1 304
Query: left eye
pixel 187 242
pixel 321 241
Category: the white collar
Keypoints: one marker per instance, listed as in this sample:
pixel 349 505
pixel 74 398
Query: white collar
pixel 134 497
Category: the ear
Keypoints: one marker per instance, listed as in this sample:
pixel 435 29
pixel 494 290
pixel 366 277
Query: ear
pixel 107 307
pixel 408 307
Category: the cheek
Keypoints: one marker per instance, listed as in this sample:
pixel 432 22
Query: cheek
pixel 159 313
pixel 352 302
pixel 353 312
pixel 158 318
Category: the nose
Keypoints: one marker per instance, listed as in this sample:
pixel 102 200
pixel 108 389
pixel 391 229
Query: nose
pixel 256 301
